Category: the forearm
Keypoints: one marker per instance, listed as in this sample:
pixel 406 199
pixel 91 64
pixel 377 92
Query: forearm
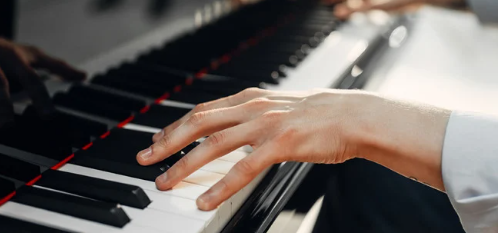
pixel 406 138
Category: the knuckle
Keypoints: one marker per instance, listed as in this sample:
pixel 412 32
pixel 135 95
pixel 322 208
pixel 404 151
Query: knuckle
pixel 245 168
pixel 249 92
pixel 197 118
pixel 199 107
pixel 286 135
pixel 217 138
pixel 231 100
pixel 272 116
pixel 223 185
pixel 182 164
pixel 164 141
pixel 252 90
pixel 258 102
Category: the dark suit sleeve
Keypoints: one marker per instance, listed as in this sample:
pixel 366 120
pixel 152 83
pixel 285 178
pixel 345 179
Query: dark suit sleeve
pixel 7 18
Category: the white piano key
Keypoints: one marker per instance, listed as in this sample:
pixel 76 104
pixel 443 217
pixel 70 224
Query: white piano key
pixel 170 204
pixel 204 178
pixel 189 192
pixel 234 156
pixel 142 128
pixel 172 103
pixel 218 166
pixel 182 189
pixel 178 205
pixel 246 148
pixel 239 198
pixel 163 220
pixel 224 213
pixel 65 222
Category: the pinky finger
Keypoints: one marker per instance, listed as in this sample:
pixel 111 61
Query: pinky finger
pixel 242 173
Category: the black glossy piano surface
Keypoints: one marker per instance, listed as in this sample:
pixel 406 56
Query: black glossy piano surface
pixel 248 48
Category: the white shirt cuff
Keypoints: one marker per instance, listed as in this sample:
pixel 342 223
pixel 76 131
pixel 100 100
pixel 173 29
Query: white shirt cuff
pixel 470 170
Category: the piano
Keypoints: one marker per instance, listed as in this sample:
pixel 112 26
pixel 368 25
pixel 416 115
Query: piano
pixel 76 170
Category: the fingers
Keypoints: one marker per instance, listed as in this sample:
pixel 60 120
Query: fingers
pixel 343 10
pixel 196 126
pixel 239 176
pixel 218 144
pixel 6 107
pixel 56 66
pixel 230 101
pixel 36 90
pixel 28 78
pixel 18 61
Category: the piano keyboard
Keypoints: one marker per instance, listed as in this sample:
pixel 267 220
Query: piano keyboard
pixel 77 172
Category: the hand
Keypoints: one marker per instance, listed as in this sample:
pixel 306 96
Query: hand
pixel 321 126
pixel 347 7
pixel 20 61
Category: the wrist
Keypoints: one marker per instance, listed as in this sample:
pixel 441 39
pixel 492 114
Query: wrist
pixel 404 137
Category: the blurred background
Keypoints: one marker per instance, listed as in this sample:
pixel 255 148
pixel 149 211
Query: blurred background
pixel 76 30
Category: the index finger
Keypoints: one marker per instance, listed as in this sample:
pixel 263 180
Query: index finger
pixel 198 125
pixel 230 101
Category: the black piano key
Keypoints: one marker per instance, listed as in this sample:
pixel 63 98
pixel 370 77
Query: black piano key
pixel 97 211
pixel 8 224
pixel 58 131
pixel 226 82
pixel 94 188
pixel 7 187
pixel 278 47
pixel 311 41
pixel 252 75
pixel 75 123
pixel 41 142
pixel 149 173
pixel 289 59
pixel 100 108
pixel 220 86
pixel 130 86
pixel 124 102
pixel 18 169
pixel 160 116
pixel 213 89
pixel 146 79
pixel 76 129
pixel 117 154
pixel 193 97
pixel 174 62
pixel 260 69
pixel 122 145
pixel 190 147
pixel 165 76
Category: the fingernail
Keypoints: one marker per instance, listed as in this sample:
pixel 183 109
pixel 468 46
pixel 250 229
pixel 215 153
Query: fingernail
pixel 203 201
pixel 162 178
pixel 145 154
